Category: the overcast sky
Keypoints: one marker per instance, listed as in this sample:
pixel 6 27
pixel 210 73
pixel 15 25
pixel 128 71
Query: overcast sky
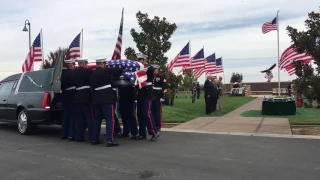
pixel 230 28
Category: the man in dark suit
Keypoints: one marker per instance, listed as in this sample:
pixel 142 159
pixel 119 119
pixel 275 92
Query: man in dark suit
pixel 208 94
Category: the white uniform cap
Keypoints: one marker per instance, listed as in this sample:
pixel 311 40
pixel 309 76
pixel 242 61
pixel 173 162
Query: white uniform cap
pixel 69 61
pixel 156 66
pixel 82 60
pixel 101 60
pixel 141 56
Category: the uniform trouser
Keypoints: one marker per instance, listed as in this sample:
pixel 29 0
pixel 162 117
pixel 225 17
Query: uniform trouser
pixel 157 113
pixel 107 112
pixel 129 121
pixel 214 104
pixel 198 95
pixel 84 112
pixel 68 125
pixel 193 98
pixel 147 116
pixel 117 127
pixel 220 102
pixel 141 121
pixel 209 107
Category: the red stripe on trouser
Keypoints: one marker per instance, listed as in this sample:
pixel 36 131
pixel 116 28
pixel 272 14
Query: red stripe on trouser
pixel 160 114
pixel 75 124
pixel 92 112
pixel 149 116
pixel 112 119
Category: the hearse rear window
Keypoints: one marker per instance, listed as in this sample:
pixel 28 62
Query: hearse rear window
pixel 36 81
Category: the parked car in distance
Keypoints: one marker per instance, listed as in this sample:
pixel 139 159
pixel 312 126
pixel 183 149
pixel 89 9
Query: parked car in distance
pixel 32 98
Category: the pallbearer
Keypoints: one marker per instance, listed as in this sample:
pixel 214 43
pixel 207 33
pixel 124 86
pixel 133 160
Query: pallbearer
pixel 127 110
pixel 142 124
pixel 68 91
pixel 159 88
pixel 82 100
pixel 104 101
pixel 146 95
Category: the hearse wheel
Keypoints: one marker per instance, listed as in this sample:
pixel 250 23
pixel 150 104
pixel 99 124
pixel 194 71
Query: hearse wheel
pixel 24 123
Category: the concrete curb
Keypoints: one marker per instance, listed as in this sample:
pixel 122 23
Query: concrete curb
pixel 164 125
pixel 242 134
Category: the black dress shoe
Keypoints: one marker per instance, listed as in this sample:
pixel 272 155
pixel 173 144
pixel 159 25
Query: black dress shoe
pixel 112 143
pixel 125 135
pixel 63 137
pixel 140 137
pixel 119 135
pixel 134 136
pixel 155 136
pixel 71 138
pixel 96 142
pixel 79 140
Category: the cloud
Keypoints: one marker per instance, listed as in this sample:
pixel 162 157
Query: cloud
pixel 231 29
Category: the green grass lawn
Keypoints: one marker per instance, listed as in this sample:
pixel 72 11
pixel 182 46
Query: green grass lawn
pixel 304 116
pixel 183 109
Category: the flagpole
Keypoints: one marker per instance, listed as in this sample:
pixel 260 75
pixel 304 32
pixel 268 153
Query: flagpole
pixel 215 72
pixel 279 92
pixel 42 45
pixel 204 63
pixel 224 80
pixel 81 43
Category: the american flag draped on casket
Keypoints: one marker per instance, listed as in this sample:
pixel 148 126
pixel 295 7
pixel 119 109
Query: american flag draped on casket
pixel 133 70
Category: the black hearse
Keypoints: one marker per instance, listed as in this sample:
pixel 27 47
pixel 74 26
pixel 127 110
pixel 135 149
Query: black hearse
pixel 32 98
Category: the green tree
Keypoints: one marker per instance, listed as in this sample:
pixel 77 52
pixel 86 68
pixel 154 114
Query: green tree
pixel 236 77
pixel 187 80
pixel 308 79
pixel 153 39
pixel 52 57
pixel 173 82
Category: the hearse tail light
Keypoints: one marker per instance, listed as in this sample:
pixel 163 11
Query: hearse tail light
pixel 46 101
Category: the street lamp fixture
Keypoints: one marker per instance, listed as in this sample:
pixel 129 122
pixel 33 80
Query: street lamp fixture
pixel 25 29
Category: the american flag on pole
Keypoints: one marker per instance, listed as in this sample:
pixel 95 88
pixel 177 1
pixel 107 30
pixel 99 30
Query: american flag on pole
pixel 290 69
pixel 210 66
pixel 117 49
pixel 197 61
pixel 34 55
pixel 74 48
pixel 219 66
pixel 182 59
pixel 290 55
pixel 268 76
pixel 270 26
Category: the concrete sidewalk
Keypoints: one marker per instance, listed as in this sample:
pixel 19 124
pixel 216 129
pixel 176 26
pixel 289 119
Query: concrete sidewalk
pixel 233 122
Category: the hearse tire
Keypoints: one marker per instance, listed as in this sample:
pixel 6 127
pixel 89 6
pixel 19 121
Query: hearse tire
pixel 25 125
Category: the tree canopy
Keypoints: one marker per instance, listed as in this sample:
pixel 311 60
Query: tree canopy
pixel 52 57
pixel 308 79
pixel 236 77
pixel 152 40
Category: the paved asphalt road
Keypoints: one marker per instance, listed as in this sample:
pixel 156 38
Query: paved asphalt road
pixel 176 156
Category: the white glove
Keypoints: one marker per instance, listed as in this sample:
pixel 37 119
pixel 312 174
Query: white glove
pixel 162 100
